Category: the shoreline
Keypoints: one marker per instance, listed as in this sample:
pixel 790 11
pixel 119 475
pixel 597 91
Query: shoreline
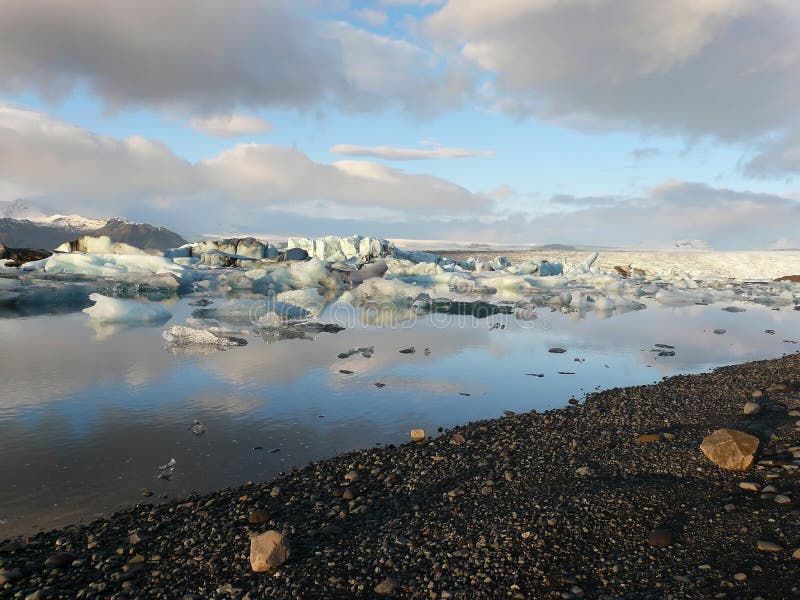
pixel 493 508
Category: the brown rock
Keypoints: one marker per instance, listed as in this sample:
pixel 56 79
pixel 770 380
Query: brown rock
pixel 386 587
pixel 59 560
pixel 625 272
pixel 457 439
pixel 792 278
pixel 785 388
pixel 647 438
pixel 257 516
pixel 730 449
pixel 417 435
pixel 268 551
pixel 752 408
pixel 765 546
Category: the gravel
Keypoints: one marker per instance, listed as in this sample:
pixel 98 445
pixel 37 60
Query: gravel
pixel 561 504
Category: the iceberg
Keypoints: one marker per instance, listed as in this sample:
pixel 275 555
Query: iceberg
pixel 106 265
pixel 585 266
pixel 332 248
pixel 114 310
pixel 247 247
pixel 99 245
pixel 187 336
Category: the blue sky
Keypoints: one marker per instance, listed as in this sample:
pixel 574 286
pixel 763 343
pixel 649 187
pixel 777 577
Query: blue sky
pixel 679 122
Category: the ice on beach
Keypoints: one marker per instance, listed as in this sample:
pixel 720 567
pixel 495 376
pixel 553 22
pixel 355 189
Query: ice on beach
pixel 115 310
pixel 187 336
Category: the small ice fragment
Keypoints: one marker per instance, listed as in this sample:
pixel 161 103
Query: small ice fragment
pixel 183 336
pixel 410 350
pixel 168 470
pixel 197 428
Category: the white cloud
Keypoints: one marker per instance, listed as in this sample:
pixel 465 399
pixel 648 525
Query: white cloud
pixel 392 153
pixel 208 57
pixel 776 157
pixel 377 68
pixel 232 125
pixel 52 159
pixel 728 68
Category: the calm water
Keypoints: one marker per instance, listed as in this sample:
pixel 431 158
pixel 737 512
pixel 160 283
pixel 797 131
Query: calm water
pixel 87 415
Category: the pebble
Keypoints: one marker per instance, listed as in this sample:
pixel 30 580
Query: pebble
pixel 257 517
pixel 740 577
pixel 749 486
pixel 59 560
pixel 417 435
pixel 752 408
pixel 766 546
pixel 386 587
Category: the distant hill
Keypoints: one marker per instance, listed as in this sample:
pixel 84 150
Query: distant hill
pixel 27 234
pixel 21 233
pixel 141 235
pixel 558 247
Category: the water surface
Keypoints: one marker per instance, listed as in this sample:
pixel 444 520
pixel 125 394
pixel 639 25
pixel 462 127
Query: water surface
pixel 87 414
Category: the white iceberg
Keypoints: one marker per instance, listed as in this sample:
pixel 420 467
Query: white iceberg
pixel 187 336
pixel 115 310
pixel 106 265
pixel 332 248
pixel 99 245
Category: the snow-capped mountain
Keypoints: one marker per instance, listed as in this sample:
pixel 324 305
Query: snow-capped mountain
pixel 23 225
pixel 22 211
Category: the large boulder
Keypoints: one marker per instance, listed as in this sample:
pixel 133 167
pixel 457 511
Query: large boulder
pixel 268 551
pixel 730 449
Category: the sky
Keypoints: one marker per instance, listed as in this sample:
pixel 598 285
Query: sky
pixel 589 122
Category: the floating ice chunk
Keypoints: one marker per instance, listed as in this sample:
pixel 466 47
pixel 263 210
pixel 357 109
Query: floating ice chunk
pixel 99 245
pixel 166 471
pixel 416 256
pixel 185 336
pixel 405 268
pixel 248 247
pixel 678 297
pixel 585 266
pixel 377 268
pixel 333 248
pixel 393 290
pixel 114 310
pixel 218 258
pixel 106 265
pixel 307 299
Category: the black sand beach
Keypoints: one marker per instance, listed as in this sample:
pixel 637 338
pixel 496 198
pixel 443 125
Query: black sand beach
pixel 569 503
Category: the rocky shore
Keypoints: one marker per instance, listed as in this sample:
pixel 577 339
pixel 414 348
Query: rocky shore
pixel 607 498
